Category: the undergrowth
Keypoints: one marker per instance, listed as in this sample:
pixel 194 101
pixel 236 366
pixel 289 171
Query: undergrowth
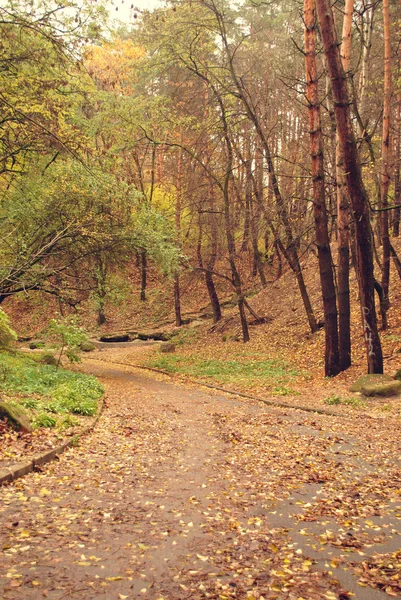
pixel 274 375
pixel 45 391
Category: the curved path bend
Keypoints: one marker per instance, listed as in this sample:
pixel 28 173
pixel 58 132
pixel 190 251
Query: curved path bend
pixel 182 494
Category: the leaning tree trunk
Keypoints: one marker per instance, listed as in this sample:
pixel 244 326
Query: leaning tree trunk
pixel 357 192
pixel 332 366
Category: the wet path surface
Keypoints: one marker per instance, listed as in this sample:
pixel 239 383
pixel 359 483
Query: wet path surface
pixel 180 493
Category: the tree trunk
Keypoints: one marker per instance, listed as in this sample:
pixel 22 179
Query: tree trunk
pixel 177 295
pixel 385 178
pixel 144 269
pixel 397 179
pixel 177 301
pixel 249 180
pixel 343 215
pixel 356 188
pixel 211 288
pixel 332 366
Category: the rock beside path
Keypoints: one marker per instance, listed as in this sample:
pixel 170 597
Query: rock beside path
pixel 377 385
pixel 15 415
pixel 167 348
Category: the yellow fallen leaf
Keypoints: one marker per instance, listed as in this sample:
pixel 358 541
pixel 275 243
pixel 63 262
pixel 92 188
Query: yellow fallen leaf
pixel 24 533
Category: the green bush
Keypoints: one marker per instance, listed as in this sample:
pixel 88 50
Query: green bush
pixel 68 338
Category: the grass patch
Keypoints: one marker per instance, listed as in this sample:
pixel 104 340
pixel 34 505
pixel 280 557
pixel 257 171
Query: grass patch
pixel 47 391
pixel 354 401
pixel 274 374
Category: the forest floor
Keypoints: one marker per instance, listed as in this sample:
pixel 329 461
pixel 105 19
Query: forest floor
pixel 181 493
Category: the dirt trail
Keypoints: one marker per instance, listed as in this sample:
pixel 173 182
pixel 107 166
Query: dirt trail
pixel 185 494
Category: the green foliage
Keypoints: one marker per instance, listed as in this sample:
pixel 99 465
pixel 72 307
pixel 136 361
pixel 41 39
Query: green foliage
pixel 78 397
pixel 44 420
pixel 270 373
pixel 69 338
pixel 29 402
pixel 46 390
pixel 7 335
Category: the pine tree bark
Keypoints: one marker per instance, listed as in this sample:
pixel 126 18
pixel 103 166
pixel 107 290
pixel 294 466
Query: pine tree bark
pixel 343 214
pixel 356 188
pixel 397 179
pixel 332 366
pixel 385 175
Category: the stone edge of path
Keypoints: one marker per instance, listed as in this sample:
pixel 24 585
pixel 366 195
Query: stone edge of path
pixel 23 468
pixel 183 378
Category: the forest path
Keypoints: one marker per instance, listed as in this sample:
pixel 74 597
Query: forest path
pixel 180 494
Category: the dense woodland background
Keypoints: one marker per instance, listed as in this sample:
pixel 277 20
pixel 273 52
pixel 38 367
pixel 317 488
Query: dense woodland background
pixel 208 141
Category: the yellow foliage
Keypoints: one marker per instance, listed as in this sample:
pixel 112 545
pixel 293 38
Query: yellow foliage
pixel 114 64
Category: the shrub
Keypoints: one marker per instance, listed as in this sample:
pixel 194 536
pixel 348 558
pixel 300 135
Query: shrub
pixel 69 338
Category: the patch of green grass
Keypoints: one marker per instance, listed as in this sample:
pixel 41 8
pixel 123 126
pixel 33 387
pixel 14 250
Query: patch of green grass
pixel 391 337
pixel 44 420
pixel 250 373
pixel 67 421
pixel 46 390
pixel 354 401
pixel 185 336
pixel 332 400
pixel 284 391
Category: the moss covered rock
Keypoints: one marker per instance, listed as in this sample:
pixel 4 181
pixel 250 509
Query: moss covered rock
pixel 377 385
pixel 87 346
pixel 35 344
pixel 15 415
pixel 48 359
pixel 167 348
